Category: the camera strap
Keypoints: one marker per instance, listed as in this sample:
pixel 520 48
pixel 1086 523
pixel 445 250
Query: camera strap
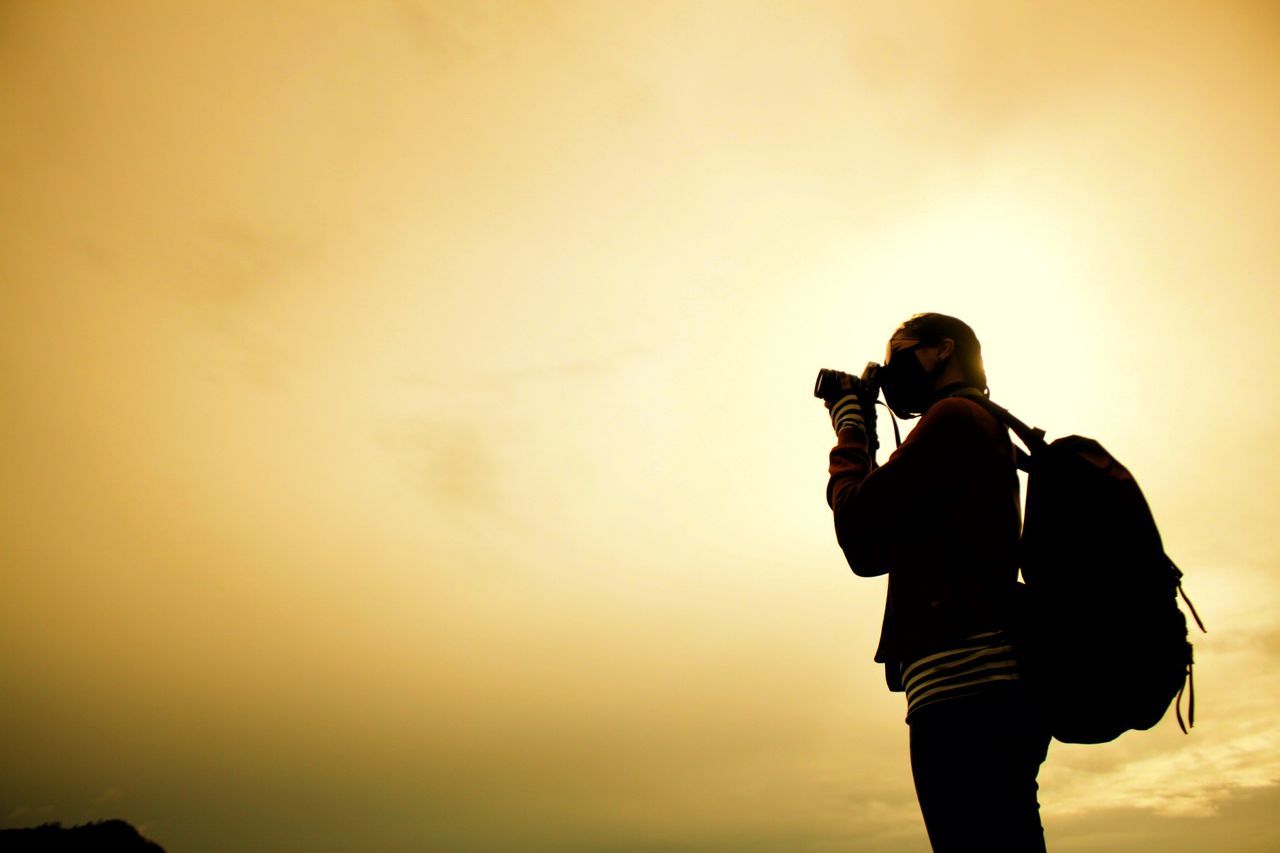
pixel 897 436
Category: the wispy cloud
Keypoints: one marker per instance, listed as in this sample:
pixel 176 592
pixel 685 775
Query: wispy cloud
pixel 447 460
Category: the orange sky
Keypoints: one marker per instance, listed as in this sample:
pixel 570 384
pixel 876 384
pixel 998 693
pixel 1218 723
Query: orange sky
pixel 409 441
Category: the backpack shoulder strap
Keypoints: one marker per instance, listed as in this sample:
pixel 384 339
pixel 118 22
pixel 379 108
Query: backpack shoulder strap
pixel 1032 437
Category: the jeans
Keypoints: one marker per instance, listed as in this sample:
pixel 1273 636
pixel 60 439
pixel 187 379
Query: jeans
pixel 974 760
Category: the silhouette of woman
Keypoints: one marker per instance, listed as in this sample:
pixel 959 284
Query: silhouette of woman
pixel 942 518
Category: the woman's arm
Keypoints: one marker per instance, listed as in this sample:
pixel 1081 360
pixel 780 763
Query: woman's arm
pixel 871 508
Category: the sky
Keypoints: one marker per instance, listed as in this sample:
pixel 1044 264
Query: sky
pixel 409 440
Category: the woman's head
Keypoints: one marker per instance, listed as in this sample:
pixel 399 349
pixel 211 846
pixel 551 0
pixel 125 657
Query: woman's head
pixel 930 329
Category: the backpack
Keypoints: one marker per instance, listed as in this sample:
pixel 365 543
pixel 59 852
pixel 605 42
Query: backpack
pixel 1097 627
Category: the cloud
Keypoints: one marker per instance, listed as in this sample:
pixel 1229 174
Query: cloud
pixel 1194 780
pixel 1244 823
pixel 490 383
pixel 110 795
pixel 28 813
pixel 448 462
pixel 240 258
pixel 443 35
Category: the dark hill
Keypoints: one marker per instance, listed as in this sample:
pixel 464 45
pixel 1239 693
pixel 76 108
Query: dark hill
pixel 104 835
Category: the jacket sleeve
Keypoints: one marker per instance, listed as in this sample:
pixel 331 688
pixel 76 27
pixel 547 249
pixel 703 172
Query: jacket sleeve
pixel 872 508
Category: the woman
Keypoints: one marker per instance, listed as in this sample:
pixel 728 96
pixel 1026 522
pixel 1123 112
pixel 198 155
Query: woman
pixel 942 518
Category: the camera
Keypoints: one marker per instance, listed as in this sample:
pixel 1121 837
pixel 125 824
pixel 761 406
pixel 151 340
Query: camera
pixel 831 385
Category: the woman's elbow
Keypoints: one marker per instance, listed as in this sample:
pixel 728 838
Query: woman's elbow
pixel 862 559
pixel 860 536
pixel 865 568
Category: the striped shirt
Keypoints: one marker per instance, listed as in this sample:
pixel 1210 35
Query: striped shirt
pixel 982 662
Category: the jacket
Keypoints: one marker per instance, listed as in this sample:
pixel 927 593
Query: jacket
pixel 942 517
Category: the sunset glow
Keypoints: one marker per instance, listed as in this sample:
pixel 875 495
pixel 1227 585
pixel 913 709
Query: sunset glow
pixel 409 440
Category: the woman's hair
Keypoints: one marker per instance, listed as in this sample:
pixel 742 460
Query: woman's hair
pixel 931 328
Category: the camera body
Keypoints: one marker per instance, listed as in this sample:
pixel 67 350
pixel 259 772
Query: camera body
pixel 831 385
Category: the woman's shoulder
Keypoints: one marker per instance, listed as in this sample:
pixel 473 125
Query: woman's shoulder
pixel 956 409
